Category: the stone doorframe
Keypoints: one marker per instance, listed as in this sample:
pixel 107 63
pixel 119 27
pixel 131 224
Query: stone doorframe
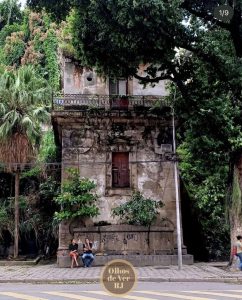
pixel 109 190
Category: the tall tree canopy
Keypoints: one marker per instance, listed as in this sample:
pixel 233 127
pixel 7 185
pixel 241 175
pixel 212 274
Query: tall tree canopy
pixel 116 36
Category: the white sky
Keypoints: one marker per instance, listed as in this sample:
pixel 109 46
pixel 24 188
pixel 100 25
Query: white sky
pixel 23 2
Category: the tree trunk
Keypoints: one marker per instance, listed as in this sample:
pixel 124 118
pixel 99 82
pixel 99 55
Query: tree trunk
pixel 16 215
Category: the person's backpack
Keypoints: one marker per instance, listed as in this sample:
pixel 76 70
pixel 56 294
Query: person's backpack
pixel 234 251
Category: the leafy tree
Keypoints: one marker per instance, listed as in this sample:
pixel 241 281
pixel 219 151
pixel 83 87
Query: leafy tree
pixel 58 9
pixel 9 12
pixel 32 41
pixel 25 98
pixel 139 210
pixel 14 48
pixel 77 198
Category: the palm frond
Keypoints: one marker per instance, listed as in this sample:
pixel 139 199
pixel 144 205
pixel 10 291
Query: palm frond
pixel 24 100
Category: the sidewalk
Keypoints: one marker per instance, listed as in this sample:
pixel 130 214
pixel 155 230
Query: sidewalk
pixel 52 274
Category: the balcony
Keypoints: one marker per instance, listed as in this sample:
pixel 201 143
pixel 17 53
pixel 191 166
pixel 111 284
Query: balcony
pixel 80 102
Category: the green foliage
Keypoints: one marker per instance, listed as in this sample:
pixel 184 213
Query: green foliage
pixel 49 189
pixel 77 198
pixel 52 66
pixel 208 136
pixel 139 210
pixel 10 12
pixel 58 9
pixel 47 151
pixel 14 48
pixel 66 36
pixel 4 216
pixel 46 154
pixel 25 98
pixel 33 40
pixel 36 208
pixel 8 30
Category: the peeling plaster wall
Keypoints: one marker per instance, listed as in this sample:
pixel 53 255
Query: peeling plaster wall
pixel 75 82
pixel 90 145
pixel 158 89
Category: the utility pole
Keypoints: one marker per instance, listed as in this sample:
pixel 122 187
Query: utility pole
pixel 178 214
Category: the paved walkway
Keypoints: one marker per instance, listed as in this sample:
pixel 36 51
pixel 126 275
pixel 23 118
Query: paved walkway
pixel 51 273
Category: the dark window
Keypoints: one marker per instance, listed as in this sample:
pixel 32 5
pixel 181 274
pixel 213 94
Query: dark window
pixel 117 86
pixel 120 169
pixel 118 92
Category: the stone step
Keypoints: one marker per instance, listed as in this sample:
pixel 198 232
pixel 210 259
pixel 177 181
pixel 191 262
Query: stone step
pixel 136 260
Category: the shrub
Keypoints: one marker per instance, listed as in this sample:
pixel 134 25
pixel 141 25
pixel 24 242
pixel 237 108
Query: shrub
pixel 76 198
pixel 139 210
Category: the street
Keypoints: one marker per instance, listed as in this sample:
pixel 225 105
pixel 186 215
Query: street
pixel 143 291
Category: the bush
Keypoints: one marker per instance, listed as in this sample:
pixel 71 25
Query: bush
pixel 76 198
pixel 139 210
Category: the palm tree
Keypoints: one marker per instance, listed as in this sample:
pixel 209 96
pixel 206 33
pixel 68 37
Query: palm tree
pixel 24 102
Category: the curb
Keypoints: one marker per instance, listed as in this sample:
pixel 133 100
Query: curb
pixel 237 280
pixel 11 263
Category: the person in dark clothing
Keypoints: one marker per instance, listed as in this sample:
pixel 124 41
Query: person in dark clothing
pixel 87 256
pixel 73 247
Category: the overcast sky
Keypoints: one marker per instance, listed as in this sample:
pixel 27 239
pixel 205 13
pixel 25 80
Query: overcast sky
pixel 22 2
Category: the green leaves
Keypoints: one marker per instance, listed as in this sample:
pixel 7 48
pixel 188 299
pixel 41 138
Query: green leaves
pixel 139 210
pixel 76 198
pixel 22 108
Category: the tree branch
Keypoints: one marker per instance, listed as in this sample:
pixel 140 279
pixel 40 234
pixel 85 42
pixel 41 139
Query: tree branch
pixel 205 16
pixel 148 79
pixel 176 79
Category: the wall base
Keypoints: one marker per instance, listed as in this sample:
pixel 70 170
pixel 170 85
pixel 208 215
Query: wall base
pixel 136 260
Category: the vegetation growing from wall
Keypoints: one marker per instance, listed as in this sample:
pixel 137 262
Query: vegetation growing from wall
pixel 77 198
pixel 138 211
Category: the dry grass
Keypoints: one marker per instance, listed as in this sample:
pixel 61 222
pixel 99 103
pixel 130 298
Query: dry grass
pixel 16 150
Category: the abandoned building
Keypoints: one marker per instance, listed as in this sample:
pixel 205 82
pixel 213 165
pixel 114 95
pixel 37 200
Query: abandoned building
pixel 119 135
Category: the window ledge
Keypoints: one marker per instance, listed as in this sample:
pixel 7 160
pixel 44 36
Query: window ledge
pixel 119 191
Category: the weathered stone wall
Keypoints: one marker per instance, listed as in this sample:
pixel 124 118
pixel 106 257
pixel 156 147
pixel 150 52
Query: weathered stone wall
pixel 127 239
pixel 89 144
pixel 140 245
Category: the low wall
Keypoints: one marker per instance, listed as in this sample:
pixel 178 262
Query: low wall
pixel 143 245
pixel 127 239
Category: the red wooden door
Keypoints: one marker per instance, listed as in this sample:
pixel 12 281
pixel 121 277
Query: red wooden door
pixel 120 169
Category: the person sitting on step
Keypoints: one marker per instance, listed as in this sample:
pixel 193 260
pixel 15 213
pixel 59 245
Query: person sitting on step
pixel 73 247
pixel 87 256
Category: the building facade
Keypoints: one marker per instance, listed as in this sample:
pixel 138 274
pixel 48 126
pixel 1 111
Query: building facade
pixel 119 135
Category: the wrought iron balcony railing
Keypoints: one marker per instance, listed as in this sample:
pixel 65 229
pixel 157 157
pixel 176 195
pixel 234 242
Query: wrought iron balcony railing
pixel 107 102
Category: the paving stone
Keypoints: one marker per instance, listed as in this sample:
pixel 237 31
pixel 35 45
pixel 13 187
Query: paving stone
pixel 52 272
